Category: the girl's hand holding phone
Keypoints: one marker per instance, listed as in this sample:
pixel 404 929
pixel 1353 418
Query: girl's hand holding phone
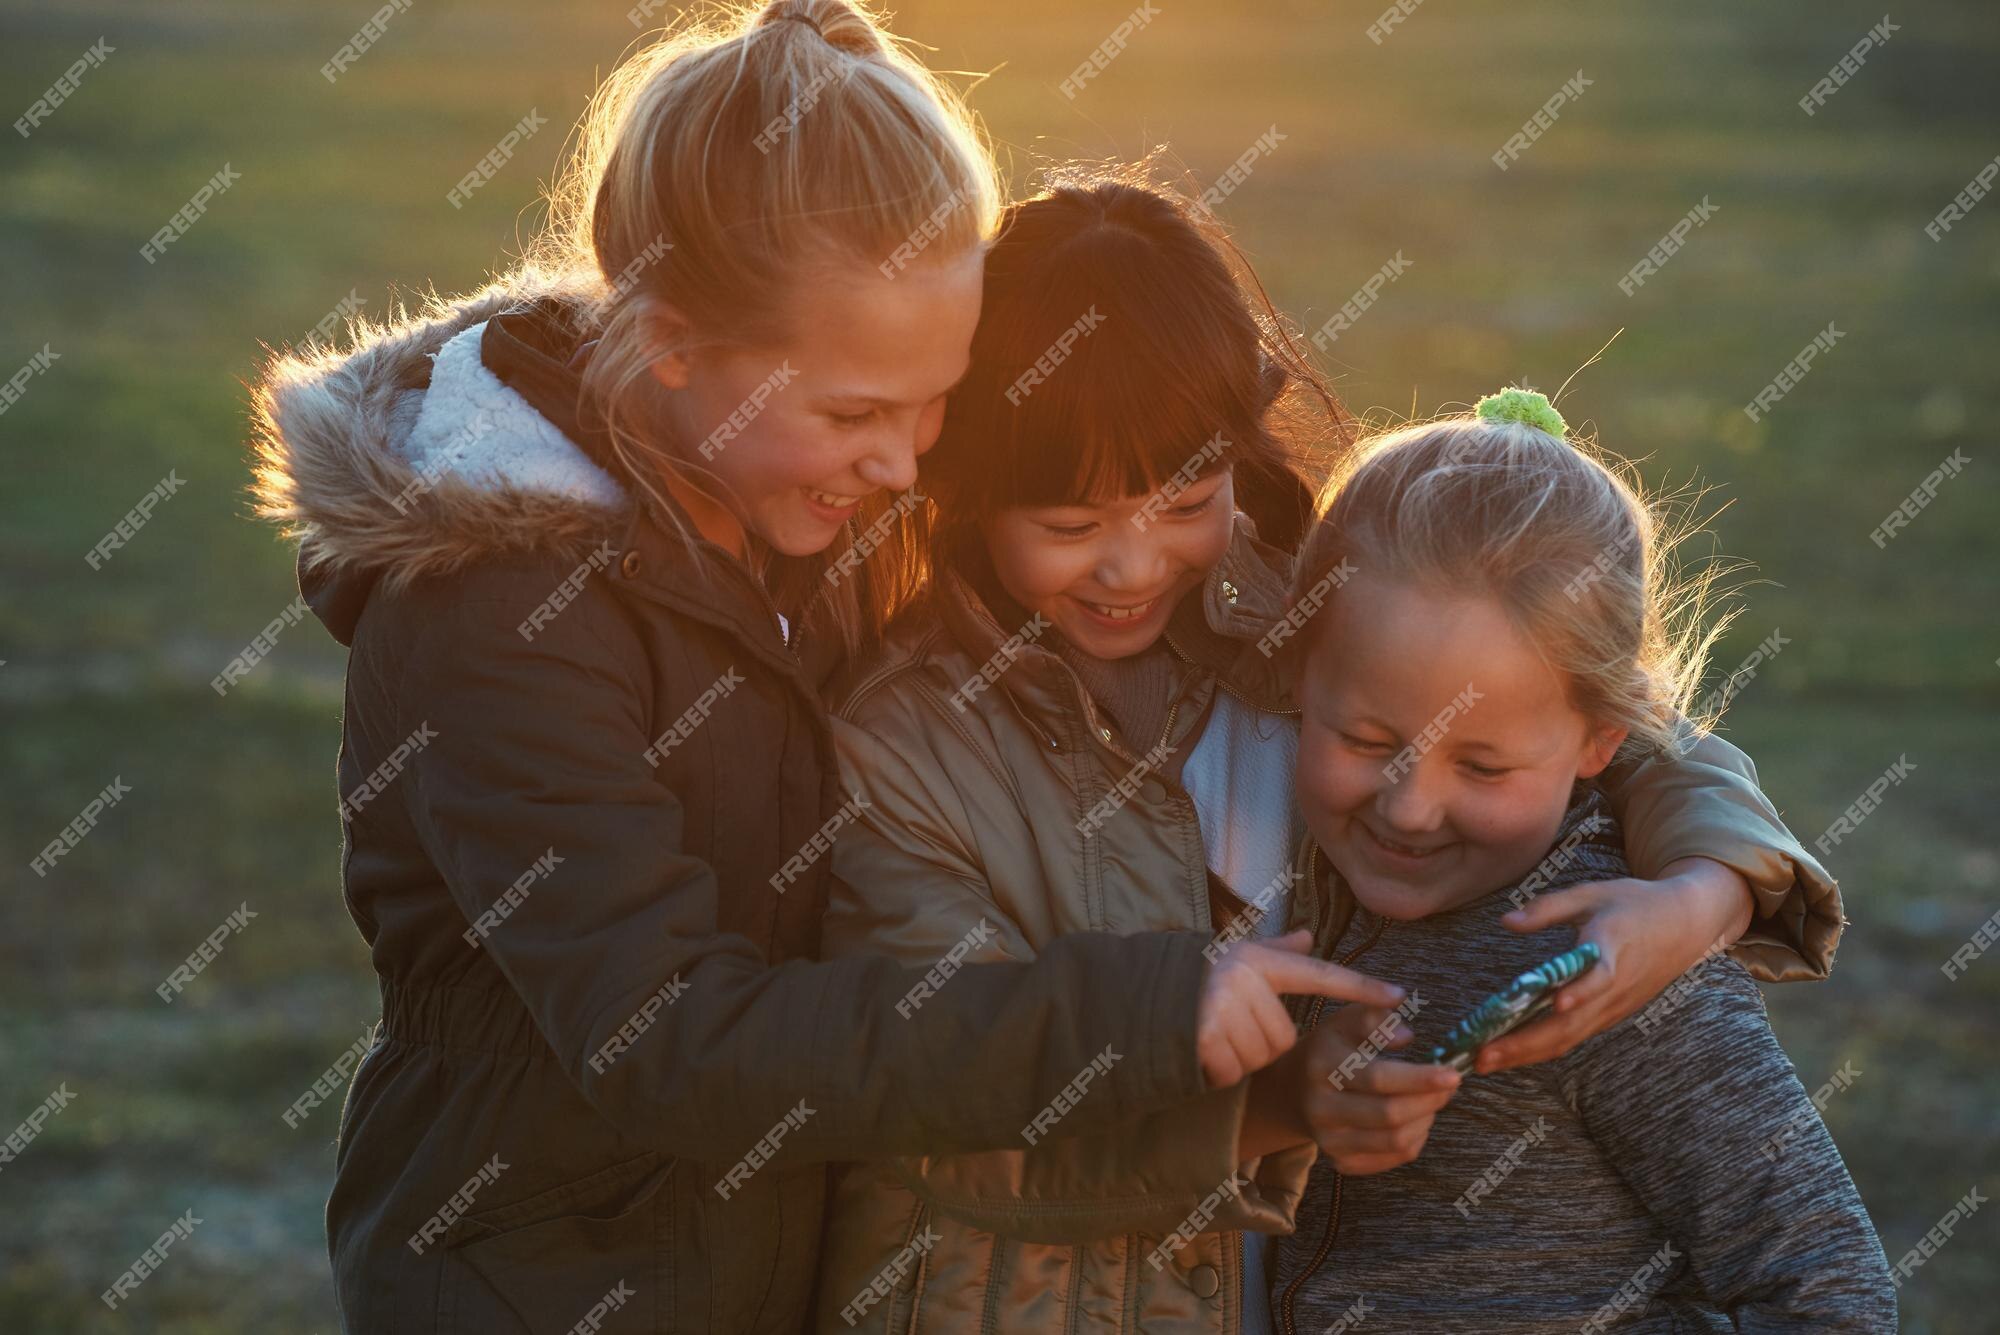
pixel 1369 1113
pixel 1648 933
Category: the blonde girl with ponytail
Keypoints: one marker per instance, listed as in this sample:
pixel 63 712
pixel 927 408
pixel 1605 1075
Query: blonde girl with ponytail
pixel 591 535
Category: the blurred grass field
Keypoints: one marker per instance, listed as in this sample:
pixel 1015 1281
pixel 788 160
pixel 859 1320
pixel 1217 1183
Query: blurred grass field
pixel 1892 652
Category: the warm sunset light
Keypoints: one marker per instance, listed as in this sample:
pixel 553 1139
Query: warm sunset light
pixel 1272 668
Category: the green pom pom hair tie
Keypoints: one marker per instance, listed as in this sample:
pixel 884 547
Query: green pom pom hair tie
pixel 1523 405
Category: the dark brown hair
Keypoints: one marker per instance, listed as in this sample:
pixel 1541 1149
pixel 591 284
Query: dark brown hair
pixel 1168 343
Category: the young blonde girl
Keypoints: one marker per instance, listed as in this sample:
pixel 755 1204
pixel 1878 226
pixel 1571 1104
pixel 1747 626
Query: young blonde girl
pixel 574 530
pixel 1667 1174
pixel 1082 730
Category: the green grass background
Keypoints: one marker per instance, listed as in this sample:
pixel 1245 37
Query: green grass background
pixel 1386 149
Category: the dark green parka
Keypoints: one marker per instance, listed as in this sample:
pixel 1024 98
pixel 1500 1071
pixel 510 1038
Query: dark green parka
pixel 586 788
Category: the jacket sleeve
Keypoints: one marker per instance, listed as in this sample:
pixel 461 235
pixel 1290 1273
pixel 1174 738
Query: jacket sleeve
pixel 1705 802
pixel 538 744
pixel 1703 1115
pixel 909 881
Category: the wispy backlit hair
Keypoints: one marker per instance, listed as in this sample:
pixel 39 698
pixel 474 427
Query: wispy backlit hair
pixel 1557 532
pixel 720 168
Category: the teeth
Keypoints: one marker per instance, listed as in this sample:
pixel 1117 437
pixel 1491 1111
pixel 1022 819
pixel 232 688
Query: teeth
pixel 830 500
pixel 1395 847
pixel 1122 613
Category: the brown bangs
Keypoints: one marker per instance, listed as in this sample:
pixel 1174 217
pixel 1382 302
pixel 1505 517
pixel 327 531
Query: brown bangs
pixel 1114 351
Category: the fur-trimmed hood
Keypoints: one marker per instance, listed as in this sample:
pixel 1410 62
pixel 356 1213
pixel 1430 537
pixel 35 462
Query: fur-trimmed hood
pixel 402 455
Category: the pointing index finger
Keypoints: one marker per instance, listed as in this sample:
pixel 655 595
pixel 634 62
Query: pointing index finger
pixel 1315 977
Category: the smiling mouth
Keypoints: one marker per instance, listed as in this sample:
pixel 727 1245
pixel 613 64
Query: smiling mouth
pixel 1114 612
pixel 1402 850
pixel 831 500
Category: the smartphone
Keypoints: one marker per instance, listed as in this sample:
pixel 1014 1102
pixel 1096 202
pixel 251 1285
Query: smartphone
pixel 1526 998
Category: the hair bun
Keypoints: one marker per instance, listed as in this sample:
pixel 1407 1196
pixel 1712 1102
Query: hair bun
pixel 837 23
pixel 1528 406
pixel 789 16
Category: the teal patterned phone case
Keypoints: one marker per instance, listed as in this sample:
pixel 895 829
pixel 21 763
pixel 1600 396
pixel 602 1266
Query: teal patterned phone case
pixel 1527 997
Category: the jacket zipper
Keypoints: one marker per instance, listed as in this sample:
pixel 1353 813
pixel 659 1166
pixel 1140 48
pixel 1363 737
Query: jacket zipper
pixel 1290 1300
pixel 732 625
pixel 1173 712
pixel 1093 716
pixel 784 636
pixel 1242 1274
pixel 923 1262
pixel 1318 899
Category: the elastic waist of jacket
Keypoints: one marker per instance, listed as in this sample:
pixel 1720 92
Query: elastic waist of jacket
pixel 466 1019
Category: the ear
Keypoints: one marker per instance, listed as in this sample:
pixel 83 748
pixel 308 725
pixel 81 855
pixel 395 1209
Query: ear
pixel 1598 749
pixel 673 369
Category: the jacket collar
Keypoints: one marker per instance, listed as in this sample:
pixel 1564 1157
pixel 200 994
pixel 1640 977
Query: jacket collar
pixel 1223 628
pixel 537 349
pixel 408 455
pixel 400 457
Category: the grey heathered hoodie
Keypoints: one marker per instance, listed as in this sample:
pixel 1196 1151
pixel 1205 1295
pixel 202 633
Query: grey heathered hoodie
pixel 1670 1174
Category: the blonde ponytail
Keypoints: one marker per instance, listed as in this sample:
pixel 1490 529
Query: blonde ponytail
pixel 715 171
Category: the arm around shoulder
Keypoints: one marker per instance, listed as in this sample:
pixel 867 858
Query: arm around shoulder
pixel 1705 802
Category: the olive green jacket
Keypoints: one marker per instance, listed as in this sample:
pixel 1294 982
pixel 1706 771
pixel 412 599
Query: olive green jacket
pixel 982 760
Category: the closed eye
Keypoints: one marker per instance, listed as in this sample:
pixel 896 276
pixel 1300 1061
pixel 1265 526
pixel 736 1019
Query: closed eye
pixel 1363 745
pixel 851 420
